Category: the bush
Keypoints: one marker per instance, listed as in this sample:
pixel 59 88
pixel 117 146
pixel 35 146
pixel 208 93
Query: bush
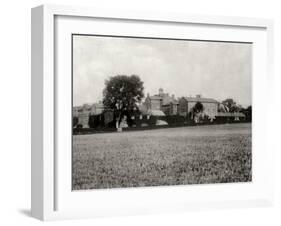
pixel 99 121
pixel 79 126
pixel 74 121
pixel 174 119
pixel 95 121
pixel 139 122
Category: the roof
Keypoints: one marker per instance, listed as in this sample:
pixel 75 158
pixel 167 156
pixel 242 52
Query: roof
pixel 200 99
pixel 98 105
pixel 155 97
pixel 230 114
pixel 165 98
pixel 77 107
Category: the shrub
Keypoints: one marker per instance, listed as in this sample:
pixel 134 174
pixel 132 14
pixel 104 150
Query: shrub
pixel 79 126
pixel 95 121
pixel 174 119
pixel 74 121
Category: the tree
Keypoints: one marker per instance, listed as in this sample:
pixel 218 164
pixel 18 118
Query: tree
pixel 197 111
pixel 198 107
pixel 231 105
pixel 249 108
pixel 248 113
pixel 121 94
pixel 222 108
pixel 74 121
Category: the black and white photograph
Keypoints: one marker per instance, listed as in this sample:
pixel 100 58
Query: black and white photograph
pixel 150 111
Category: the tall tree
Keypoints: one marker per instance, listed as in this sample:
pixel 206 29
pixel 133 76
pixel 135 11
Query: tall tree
pixel 196 111
pixel 198 107
pixel 231 105
pixel 121 94
pixel 248 113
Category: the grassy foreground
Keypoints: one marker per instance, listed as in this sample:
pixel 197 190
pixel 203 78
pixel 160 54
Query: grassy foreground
pixel 174 156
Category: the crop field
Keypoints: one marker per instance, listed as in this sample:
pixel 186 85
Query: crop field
pixel 172 156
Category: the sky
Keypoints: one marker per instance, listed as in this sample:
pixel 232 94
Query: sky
pixel 216 70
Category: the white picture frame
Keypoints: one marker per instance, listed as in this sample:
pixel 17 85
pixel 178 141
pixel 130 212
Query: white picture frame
pixel 48 187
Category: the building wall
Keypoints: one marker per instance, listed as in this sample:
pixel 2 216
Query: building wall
pixel 166 109
pixel 75 111
pixel 174 109
pixel 83 119
pixel 83 113
pixel 185 107
pixel 162 102
pixel 153 104
pixel 170 109
pixel 147 103
pixel 210 109
pixel 97 109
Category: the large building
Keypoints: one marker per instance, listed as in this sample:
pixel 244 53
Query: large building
pixel 83 113
pixel 170 107
pixel 186 105
pixel 162 102
pixel 97 108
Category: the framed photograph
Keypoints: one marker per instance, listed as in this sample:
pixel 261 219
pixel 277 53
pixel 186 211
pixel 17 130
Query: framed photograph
pixel 137 112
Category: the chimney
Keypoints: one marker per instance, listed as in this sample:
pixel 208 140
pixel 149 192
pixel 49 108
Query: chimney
pixel 173 96
pixel 161 91
pixel 198 96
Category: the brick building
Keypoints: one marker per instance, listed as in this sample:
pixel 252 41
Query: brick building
pixel 83 112
pixel 186 104
pixel 163 102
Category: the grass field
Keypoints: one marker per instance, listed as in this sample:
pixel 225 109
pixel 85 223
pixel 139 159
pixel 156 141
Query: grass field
pixel 174 156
